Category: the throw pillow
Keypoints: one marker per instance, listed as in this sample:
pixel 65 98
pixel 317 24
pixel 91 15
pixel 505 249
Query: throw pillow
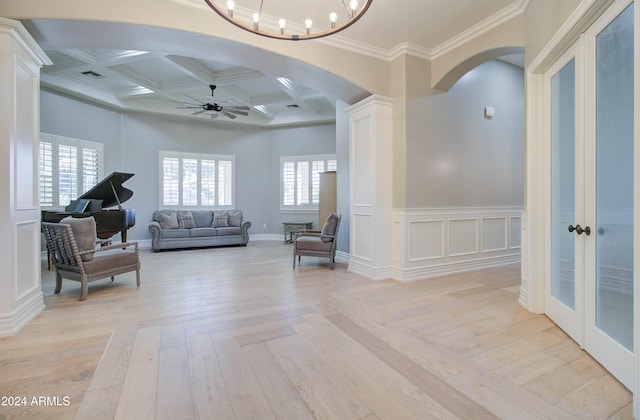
pixel 185 220
pixel 220 219
pixel 169 221
pixel 235 218
pixel 329 228
pixel 84 232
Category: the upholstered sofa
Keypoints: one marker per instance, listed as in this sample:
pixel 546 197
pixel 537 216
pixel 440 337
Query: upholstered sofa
pixel 172 229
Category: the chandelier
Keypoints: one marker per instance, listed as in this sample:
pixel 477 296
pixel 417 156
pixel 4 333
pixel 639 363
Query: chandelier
pixel 330 16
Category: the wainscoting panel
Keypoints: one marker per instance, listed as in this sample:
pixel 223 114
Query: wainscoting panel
pixel 26 140
pixel 516 232
pixel 494 234
pixel 28 259
pixel 362 167
pixel 446 241
pixel 426 240
pixel 361 246
pixel 463 237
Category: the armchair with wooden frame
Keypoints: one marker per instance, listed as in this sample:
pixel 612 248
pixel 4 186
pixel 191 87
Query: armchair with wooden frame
pixel 89 263
pixel 318 243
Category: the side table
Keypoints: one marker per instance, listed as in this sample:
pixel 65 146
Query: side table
pixel 294 227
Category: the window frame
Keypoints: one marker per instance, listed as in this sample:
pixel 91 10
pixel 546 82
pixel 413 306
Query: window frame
pixel 81 185
pixel 199 157
pixel 312 190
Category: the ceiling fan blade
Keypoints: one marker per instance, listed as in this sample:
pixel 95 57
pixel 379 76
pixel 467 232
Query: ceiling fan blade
pixel 198 112
pixel 226 114
pixel 190 107
pixel 235 111
pixel 214 115
pixel 239 108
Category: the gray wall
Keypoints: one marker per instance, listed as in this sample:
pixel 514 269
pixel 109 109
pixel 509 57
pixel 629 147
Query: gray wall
pixel 456 157
pixel 132 142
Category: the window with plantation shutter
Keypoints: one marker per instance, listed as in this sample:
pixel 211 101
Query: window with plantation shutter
pixel 67 169
pixel 300 180
pixel 196 180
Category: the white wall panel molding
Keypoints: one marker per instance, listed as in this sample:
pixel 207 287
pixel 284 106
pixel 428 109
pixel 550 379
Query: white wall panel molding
pixel 371 166
pixel 20 292
pixel 444 241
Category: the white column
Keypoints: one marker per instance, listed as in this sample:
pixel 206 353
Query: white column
pixel 371 141
pixel 20 290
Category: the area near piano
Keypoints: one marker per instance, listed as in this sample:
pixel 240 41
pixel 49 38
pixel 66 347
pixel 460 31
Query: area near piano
pixel 100 200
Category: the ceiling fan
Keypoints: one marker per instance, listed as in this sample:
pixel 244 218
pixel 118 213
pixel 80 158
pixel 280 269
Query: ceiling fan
pixel 230 111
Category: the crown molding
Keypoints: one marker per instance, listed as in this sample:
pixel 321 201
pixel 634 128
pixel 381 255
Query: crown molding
pixel 415 50
pixel 407 48
pixel 20 34
pixel 480 28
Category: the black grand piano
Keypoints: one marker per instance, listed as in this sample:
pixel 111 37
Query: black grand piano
pixel 97 202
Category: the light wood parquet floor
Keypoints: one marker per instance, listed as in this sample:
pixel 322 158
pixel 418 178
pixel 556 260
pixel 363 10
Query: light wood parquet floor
pixel 235 333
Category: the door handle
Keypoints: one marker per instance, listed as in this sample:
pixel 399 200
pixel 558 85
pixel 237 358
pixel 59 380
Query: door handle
pixel 586 230
pixel 579 230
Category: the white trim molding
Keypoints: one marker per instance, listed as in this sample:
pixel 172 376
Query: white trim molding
pixel 443 241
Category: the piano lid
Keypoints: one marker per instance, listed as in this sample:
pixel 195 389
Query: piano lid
pixel 110 190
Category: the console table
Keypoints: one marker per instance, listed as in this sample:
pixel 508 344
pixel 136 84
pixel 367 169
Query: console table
pixel 294 227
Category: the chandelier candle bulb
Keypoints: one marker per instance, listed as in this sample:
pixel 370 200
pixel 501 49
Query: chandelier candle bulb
pixel 230 6
pixel 256 21
pixel 333 18
pixel 354 7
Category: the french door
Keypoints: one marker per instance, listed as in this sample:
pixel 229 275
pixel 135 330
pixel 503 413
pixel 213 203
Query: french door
pixel 589 291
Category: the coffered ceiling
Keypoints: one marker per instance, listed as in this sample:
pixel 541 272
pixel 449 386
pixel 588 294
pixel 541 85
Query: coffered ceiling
pixel 162 83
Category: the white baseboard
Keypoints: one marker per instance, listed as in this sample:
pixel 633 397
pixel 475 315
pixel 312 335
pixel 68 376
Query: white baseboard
pixel 11 324
pixel 365 269
pixel 450 268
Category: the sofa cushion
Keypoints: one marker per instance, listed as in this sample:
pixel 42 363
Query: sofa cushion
pixel 175 233
pixel 220 219
pixel 84 232
pixel 225 231
pixel 203 232
pixel 203 218
pixel 168 220
pixel 185 220
pixel 329 227
pixel 235 217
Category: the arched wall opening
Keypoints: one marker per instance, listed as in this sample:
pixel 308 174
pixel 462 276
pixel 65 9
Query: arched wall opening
pixel 451 76
pixel 464 156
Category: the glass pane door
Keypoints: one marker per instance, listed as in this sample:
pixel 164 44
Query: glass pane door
pixel 565 296
pixel 563 183
pixel 614 179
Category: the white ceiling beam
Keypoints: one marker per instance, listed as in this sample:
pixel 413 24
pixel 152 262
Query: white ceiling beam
pixel 86 56
pixel 136 77
pixel 192 67
pixel 264 111
pixel 276 98
pixel 91 61
pixel 290 89
pixel 133 92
